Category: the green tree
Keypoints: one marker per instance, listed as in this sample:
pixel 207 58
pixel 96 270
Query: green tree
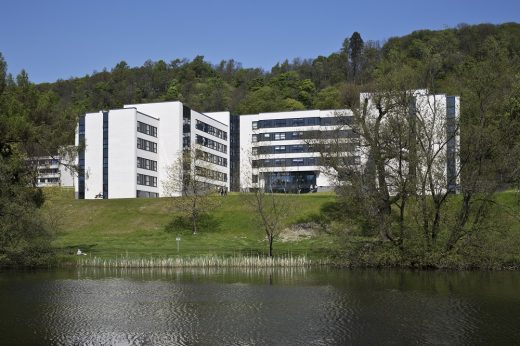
pixel 327 98
pixel 24 237
pixel 355 52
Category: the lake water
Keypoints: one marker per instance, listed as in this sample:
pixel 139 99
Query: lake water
pixel 259 307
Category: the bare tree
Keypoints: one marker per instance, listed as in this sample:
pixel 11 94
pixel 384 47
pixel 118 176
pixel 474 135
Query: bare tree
pixel 191 183
pixel 401 138
pixel 270 209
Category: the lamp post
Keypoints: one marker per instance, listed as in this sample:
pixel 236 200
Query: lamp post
pixel 178 239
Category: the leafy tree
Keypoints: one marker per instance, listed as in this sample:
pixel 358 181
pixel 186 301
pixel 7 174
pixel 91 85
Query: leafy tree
pixel 25 117
pixel 327 98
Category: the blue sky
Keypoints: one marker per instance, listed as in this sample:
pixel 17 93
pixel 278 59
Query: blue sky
pixel 70 38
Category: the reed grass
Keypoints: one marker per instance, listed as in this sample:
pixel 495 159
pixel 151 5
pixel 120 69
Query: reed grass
pixel 200 262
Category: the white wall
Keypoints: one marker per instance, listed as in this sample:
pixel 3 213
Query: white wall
pixel 223 117
pixel 66 177
pixel 122 147
pixel 169 115
pixel 93 154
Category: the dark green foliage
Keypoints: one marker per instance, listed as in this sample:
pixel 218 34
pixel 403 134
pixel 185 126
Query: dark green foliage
pixel 355 50
pixel 30 124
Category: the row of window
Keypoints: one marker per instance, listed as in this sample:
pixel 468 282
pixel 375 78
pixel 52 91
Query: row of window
pixel 146 180
pixel 299 161
pixel 286 162
pixel 292 135
pixel 301 148
pixel 208 157
pixel 210 174
pixel 44 162
pixel 146 194
pixel 49 180
pixel 146 164
pixel 293 122
pixel 209 143
pixel 143 144
pixel 147 129
pixel 48 171
pixel 212 130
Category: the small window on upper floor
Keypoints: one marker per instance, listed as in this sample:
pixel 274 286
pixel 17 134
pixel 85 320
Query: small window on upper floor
pixel 255 125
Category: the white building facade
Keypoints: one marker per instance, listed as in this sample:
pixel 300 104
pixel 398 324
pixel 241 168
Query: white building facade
pixel 127 152
pixel 437 137
pixel 52 171
pixel 278 152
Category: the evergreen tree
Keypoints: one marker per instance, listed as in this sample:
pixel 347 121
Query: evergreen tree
pixel 355 49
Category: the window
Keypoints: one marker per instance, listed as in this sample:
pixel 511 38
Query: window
pixel 255 178
pixel 146 194
pixel 279 136
pixel 143 144
pixel 146 180
pixel 202 126
pixel 147 129
pixel 298 122
pixel 297 148
pixel 255 125
pixel 211 158
pixel 255 138
pixel 210 174
pixel 209 143
pixel 146 164
pixel 280 123
pixel 279 149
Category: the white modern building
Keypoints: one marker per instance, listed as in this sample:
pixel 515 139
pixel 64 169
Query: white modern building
pixel 437 137
pixel 127 152
pixel 51 171
pixel 279 152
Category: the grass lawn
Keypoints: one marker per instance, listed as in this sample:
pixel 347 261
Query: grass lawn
pixel 136 227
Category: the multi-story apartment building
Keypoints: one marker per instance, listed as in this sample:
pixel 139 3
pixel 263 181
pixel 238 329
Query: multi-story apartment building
pixel 279 151
pixel 52 172
pixel 127 152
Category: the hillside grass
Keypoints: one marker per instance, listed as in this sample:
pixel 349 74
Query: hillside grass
pixel 136 228
pixel 127 229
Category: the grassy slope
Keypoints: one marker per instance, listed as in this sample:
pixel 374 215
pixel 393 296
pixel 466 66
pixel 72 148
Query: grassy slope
pixel 110 228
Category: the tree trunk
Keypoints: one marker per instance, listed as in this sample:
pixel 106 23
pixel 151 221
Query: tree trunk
pixel 194 223
pixel 270 239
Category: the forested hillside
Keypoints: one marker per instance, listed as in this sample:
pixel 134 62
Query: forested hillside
pixel 324 82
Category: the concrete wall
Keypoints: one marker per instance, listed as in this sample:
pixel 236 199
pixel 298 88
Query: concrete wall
pixel 93 154
pixel 122 148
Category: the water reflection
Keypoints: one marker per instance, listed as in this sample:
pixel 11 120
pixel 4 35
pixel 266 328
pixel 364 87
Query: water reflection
pixel 291 306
